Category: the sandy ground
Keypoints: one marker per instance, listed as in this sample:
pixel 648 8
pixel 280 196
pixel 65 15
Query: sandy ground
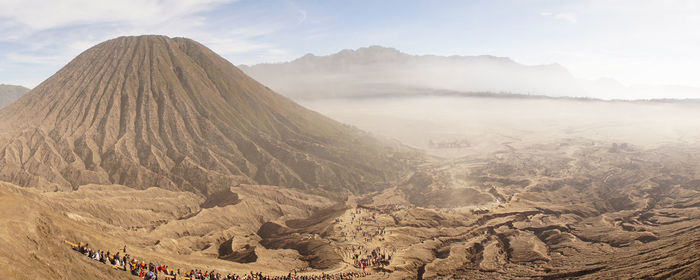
pixel 573 209
pixel 553 193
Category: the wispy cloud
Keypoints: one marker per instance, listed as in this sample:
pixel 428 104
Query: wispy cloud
pixel 42 15
pixel 570 17
pixel 302 15
pixel 33 59
pixel 48 33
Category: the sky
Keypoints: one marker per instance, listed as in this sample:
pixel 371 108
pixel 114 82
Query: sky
pixel 633 41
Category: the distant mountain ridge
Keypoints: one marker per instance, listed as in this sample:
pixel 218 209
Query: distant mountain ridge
pixel 10 93
pixel 381 71
pixel 378 70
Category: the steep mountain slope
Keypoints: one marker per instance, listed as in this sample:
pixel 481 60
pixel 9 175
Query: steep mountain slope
pixel 154 111
pixel 379 71
pixel 31 238
pixel 10 93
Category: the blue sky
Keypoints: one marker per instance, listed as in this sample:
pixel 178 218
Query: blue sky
pixel 633 41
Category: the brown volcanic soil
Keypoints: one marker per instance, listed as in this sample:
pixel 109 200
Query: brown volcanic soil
pixel 587 212
pixel 151 111
pixel 155 225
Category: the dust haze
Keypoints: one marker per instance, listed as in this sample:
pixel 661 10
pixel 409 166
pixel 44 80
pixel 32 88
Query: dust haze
pixel 486 124
pixel 564 178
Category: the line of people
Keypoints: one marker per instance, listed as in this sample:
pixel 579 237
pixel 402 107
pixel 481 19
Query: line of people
pixel 367 232
pixel 152 271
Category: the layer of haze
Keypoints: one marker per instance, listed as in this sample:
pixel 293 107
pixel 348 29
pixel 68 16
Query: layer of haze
pixel 489 124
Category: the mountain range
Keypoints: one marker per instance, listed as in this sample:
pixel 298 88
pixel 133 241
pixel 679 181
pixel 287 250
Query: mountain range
pixel 380 71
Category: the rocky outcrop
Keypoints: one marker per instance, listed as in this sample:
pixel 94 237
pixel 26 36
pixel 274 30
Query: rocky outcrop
pixel 244 255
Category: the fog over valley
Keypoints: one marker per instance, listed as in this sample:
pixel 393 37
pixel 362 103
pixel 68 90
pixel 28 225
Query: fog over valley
pixel 459 105
pixel 485 124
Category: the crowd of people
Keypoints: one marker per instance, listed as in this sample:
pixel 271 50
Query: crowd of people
pixel 363 228
pixel 366 226
pixel 152 271
pixel 365 231
pixel 373 259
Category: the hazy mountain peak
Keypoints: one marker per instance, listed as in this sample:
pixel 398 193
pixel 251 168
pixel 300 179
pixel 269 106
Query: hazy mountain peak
pixel 366 55
pixel 379 50
pixel 307 56
pixel 10 93
pixel 491 58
